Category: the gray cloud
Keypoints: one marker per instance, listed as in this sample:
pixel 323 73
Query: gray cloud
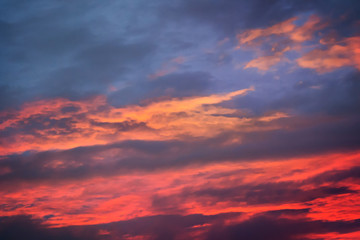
pixel 264 226
pixel 173 85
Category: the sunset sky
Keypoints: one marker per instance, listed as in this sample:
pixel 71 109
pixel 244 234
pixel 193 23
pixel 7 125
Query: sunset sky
pixel 180 119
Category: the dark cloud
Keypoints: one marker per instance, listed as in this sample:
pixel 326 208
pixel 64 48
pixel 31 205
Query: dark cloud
pixel 24 227
pixel 9 96
pixel 172 85
pixel 41 127
pixel 121 126
pixel 53 49
pixel 288 212
pixel 160 227
pixel 274 193
pixel 336 96
pixel 264 226
pixel 164 227
pixel 271 193
pixel 336 176
pixel 330 95
pixel 232 16
pixel 98 66
pixel 33 166
pixel 182 84
pixel 69 109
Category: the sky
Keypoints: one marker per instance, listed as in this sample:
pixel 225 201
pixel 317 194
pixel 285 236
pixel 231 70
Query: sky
pixel 180 119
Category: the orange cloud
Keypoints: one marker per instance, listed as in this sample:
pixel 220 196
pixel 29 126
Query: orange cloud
pixel 286 28
pixel 249 36
pixel 63 124
pixel 335 56
pixel 294 35
pixel 306 31
pixel 264 63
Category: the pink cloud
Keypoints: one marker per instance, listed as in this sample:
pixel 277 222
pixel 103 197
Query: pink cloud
pixel 333 57
pixel 291 36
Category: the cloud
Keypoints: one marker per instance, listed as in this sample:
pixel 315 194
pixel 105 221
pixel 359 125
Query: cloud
pixel 128 121
pixel 264 140
pixel 151 178
pixel 168 67
pixel 266 227
pixel 237 190
pixel 228 18
pixel 287 29
pixel 35 229
pixel 307 30
pixel 273 193
pixel 160 227
pixel 280 38
pixel 51 51
pixel 264 63
pixel 337 175
pixel 98 64
pixel 335 56
pixel 185 84
pixel 44 124
pixel 307 101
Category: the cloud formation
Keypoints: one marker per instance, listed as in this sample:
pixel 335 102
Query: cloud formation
pixel 337 54
pixel 345 53
pixel 179 120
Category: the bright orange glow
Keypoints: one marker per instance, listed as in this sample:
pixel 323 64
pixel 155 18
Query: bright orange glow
pixel 96 122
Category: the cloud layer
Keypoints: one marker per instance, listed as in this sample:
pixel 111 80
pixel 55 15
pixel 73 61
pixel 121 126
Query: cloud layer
pixel 180 120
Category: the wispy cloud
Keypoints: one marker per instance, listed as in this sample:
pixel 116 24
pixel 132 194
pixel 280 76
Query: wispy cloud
pixel 61 123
